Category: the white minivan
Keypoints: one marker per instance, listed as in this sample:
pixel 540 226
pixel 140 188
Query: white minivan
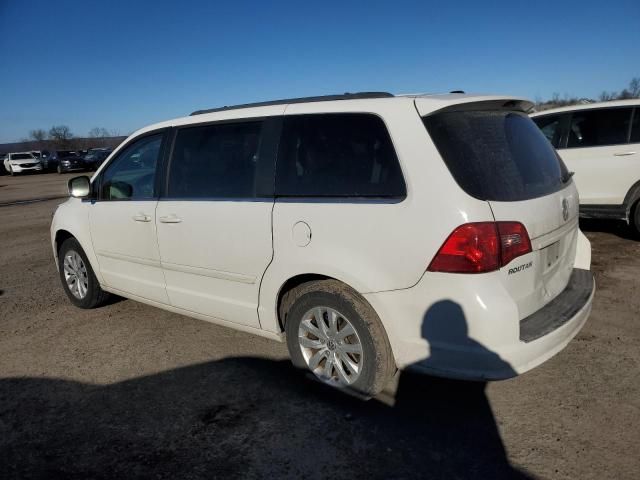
pixel 600 142
pixel 371 232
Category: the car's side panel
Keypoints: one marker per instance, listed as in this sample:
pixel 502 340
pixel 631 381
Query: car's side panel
pixel 371 245
pixel 603 175
pixel 73 216
pixel 127 247
pixel 214 258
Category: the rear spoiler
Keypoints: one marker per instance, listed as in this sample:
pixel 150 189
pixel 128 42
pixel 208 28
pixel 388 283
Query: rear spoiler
pixel 502 103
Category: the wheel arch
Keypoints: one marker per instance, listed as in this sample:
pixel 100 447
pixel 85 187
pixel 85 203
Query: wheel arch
pixel 288 286
pixel 75 228
pixel 630 199
pixel 60 237
pixel 284 300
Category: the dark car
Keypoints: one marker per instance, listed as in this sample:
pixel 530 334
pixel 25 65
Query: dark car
pixel 94 158
pixel 64 161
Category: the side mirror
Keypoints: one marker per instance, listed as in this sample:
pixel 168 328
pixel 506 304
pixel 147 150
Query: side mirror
pixel 79 187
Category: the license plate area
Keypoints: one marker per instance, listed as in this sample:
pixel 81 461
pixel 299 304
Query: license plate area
pixel 551 255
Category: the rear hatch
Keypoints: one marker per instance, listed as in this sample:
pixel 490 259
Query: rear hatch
pixel 498 155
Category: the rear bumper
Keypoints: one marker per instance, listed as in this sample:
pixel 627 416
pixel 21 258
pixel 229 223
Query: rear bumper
pixel 473 331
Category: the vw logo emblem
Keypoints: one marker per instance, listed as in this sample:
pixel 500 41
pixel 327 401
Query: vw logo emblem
pixel 565 209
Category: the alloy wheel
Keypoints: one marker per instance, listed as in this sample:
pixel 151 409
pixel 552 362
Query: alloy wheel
pixel 330 346
pixel 75 274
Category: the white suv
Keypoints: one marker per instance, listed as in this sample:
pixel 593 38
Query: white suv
pixel 600 142
pixel 370 231
pixel 21 162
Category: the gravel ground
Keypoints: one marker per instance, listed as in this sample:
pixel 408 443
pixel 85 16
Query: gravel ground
pixel 26 187
pixel 131 391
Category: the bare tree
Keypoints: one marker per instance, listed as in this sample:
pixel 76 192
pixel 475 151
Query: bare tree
pixel 634 87
pixel 624 95
pixel 607 96
pixel 61 135
pixel 99 132
pixel 38 135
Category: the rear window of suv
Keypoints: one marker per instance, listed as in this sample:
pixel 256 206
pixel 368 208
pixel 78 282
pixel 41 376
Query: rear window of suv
pixel 497 155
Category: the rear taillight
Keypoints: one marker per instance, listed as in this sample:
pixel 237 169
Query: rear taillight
pixel 514 241
pixel 481 247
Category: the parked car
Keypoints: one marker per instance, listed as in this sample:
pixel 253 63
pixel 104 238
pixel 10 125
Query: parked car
pixel 64 161
pixel 600 142
pixel 369 231
pixel 22 162
pixel 95 156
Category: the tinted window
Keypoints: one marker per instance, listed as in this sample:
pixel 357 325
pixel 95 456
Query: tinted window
pixel 635 128
pixel 337 155
pixel 550 126
pixel 131 175
pixel 215 161
pixel 592 128
pixel 497 155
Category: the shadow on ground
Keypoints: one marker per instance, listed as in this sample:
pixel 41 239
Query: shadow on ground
pixel 616 227
pixel 245 417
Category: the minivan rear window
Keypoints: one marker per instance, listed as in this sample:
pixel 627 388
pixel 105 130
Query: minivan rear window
pixel 497 155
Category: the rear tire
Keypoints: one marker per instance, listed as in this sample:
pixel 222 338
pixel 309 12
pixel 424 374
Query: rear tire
pixel 360 362
pixel 77 277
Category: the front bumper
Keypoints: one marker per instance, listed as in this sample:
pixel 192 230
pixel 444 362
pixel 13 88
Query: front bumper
pixel 473 331
pixel 22 169
pixel 72 168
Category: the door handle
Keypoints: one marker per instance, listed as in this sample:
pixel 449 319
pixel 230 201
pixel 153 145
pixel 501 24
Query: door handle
pixel 624 154
pixel 170 219
pixel 141 217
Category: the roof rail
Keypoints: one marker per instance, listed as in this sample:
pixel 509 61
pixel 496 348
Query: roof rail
pixel 286 101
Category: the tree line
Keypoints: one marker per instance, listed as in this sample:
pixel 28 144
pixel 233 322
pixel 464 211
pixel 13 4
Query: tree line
pixel 60 137
pixel 631 91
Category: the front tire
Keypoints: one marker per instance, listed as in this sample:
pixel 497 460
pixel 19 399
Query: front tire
pixel 59 169
pixel 634 220
pixel 77 277
pixel 13 174
pixel 332 332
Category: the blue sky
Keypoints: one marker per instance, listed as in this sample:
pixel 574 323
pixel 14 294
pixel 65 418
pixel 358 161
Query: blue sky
pixel 124 64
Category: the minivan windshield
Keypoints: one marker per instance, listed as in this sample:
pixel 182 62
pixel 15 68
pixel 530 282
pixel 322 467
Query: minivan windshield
pixel 497 155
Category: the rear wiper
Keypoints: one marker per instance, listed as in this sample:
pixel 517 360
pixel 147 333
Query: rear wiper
pixel 567 177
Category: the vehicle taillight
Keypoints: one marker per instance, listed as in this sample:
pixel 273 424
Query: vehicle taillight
pixel 514 241
pixel 481 247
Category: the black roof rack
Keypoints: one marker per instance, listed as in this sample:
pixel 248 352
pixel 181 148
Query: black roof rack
pixel 321 98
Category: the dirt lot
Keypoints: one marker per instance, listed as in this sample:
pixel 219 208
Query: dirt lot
pixel 131 391
pixel 24 188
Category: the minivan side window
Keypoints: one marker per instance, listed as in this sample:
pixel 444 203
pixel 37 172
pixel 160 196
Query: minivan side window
pixel 551 128
pixel 337 155
pixel 215 161
pixel 599 127
pixel 131 175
